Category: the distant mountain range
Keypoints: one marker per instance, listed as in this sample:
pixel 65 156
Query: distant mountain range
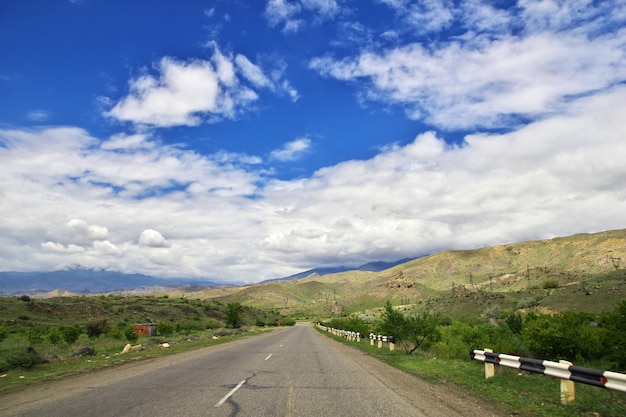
pixel 370 267
pixel 85 281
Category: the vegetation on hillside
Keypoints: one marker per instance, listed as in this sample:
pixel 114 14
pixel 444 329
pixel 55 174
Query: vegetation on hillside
pixel 580 337
pixel 33 331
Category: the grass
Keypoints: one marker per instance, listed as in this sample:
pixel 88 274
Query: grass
pixel 108 354
pixel 517 393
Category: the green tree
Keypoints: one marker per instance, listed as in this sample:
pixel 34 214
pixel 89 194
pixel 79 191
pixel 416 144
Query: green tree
pixel 568 335
pixel 393 322
pixel 614 336
pixel 421 330
pixel 410 332
pixel 232 317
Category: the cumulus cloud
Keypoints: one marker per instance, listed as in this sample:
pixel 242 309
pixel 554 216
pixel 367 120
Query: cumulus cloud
pixel 188 93
pixel 89 231
pixel 291 150
pixel 483 80
pixel 59 247
pixel 153 239
pixel 225 220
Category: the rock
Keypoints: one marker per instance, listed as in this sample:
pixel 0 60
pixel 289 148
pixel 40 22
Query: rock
pixel 165 345
pixel 127 348
pixel 84 351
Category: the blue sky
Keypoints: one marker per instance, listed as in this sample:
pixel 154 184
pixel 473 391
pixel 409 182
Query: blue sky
pixel 240 141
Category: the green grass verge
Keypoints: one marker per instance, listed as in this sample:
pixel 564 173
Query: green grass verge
pixel 515 392
pixel 109 354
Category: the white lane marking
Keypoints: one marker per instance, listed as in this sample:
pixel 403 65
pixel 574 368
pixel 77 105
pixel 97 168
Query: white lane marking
pixel 280 346
pixel 232 391
pixel 269 356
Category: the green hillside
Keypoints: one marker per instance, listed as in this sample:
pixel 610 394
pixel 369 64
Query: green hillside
pixel 585 272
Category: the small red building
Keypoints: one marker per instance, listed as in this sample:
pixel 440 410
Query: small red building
pixel 146 329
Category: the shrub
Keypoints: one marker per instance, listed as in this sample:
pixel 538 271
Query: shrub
pixel 550 283
pixel 165 329
pixel 614 336
pixel 563 336
pixel 514 321
pixel 18 358
pixel 35 336
pixel 129 333
pixel 491 313
pixel 528 302
pixel 70 334
pixel 4 331
pixel 54 336
pixel 94 330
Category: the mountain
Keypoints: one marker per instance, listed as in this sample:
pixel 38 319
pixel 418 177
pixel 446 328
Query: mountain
pixel 371 266
pixel 583 272
pixel 84 281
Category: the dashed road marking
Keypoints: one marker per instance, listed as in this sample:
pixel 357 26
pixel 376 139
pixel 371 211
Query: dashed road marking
pixel 269 356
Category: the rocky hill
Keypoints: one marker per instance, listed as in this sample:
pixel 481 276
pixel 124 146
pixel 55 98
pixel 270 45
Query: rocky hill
pixel 583 272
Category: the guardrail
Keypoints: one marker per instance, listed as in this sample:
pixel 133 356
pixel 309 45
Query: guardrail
pixel 566 371
pixel 355 336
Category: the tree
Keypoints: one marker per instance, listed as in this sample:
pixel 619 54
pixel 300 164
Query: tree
pixel 614 336
pixel 392 322
pixel 420 330
pixel 410 332
pixel 568 335
pixel 232 317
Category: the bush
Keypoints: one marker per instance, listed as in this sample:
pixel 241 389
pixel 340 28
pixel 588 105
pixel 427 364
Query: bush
pixel 94 330
pixel 614 336
pixel 4 331
pixel 491 313
pixel 70 334
pixel 550 283
pixel 528 302
pixel 18 358
pixel 54 336
pixel 566 336
pixel 129 333
pixel 165 329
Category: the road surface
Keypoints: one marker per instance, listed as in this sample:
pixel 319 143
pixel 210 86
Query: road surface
pixel 290 372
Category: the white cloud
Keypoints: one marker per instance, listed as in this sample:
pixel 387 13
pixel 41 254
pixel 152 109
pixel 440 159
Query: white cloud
pixel 461 86
pixel 290 14
pixel 107 248
pixel 38 115
pixel 487 76
pixel 252 72
pixel 58 247
pixel 188 93
pixel 153 239
pixel 165 211
pixel 425 15
pixel 90 231
pixel 292 150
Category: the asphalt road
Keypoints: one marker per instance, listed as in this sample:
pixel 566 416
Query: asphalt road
pixel 293 372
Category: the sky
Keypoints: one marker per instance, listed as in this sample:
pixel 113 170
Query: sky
pixel 241 140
